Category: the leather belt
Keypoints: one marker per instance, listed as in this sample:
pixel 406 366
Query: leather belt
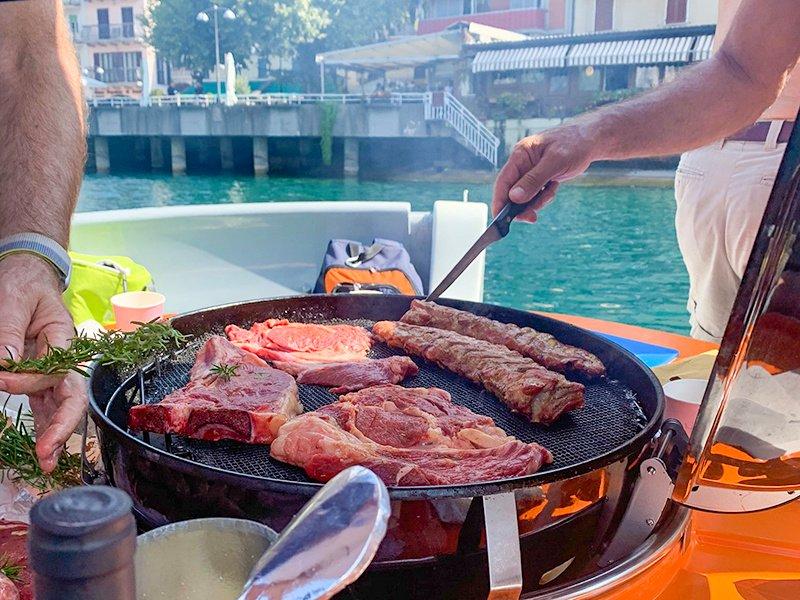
pixel 758 132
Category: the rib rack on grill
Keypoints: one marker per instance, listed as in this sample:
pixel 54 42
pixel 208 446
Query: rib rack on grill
pixel 541 347
pixel 248 405
pixel 521 383
pixel 407 436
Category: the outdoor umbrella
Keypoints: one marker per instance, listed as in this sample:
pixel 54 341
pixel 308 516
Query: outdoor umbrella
pixel 230 80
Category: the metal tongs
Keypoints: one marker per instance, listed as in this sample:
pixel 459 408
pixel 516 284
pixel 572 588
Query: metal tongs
pixel 497 230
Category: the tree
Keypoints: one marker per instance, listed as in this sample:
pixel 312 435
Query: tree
pixel 358 22
pixel 264 26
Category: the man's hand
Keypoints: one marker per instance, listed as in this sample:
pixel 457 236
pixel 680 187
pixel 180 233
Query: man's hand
pixel 33 318
pixel 550 157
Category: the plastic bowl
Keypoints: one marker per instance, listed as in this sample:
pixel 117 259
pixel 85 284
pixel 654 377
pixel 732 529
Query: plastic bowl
pixel 201 559
pixel 683 400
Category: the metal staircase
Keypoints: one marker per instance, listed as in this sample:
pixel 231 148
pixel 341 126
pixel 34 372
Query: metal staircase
pixel 443 106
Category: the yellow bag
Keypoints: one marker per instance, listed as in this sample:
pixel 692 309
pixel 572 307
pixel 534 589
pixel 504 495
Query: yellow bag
pixel 95 279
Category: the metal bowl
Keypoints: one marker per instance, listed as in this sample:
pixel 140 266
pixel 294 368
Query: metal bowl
pixel 199 559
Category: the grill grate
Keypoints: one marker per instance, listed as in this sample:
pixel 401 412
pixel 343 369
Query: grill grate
pixel 610 418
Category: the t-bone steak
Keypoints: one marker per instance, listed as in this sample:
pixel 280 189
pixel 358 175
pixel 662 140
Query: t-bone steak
pixel 249 403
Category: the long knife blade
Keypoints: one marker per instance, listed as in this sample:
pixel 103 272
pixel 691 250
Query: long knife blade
pixel 497 230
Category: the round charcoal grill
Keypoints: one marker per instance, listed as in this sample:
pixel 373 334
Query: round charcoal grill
pixel 595 448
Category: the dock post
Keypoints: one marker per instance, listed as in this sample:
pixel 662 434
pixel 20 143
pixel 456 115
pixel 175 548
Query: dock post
pixel 226 153
pixel 260 156
pixel 102 158
pixel 351 157
pixel 178 152
pixel 156 153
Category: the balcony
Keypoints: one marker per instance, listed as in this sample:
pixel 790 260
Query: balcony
pixel 524 19
pixel 110 33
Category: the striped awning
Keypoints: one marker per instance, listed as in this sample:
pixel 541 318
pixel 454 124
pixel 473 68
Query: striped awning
pixel 702 48
pixel 631 52
pixel 517 59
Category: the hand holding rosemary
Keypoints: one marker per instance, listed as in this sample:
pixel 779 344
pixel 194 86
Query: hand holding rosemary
pixel 133 349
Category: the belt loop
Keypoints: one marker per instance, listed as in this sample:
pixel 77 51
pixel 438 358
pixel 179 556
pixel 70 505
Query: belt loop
pixel 771 143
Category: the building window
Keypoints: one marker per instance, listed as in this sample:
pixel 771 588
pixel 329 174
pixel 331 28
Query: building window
pixel 647 77
pixel 127 22
pixel 603 15
pixel 518 4
pixel 559 83
pixel 532 77
pixel 447 8
pixel 504 78
pixel 103 28
pixel 676 11
pixel 589 79
pixel 118 67
pixel 73 25
pixel 163 71
pixel 616 78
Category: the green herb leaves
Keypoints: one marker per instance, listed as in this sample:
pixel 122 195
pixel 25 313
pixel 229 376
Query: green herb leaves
pixel 224 372
pixel 132 349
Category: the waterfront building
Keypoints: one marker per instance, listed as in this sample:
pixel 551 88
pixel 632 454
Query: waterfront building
pixel 111 48
pixel 527 16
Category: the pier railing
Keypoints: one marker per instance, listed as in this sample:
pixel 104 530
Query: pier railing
pixel 443 106
pixel 276 99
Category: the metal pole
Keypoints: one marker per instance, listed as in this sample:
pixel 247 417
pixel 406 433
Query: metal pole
pixel 322 77
pixel 216 50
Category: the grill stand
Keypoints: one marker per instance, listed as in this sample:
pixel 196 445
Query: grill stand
pixel 652 491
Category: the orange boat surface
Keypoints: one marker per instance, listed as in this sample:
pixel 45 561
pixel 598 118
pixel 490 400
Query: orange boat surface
pixel 753 556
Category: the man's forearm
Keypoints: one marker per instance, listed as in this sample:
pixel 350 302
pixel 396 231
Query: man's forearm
pixel 43 145
pixel 706 104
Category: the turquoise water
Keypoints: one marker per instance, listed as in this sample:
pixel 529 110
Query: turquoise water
pixel 606 252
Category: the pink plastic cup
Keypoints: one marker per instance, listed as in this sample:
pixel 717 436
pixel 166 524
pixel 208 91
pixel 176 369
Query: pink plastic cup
pixel 683 398
pixel 133 307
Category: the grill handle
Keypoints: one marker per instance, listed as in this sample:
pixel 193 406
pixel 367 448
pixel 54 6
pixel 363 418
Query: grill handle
pixel 502 545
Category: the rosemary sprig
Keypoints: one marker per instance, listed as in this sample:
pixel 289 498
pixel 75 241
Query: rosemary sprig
pixel 132 349
pixel 224 372
pixel 18 456
pixel 9 568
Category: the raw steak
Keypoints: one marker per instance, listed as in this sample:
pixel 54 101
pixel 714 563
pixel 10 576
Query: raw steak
pixel 349 377
pixel 541 347
pixel 280 340
pixel 522 384
pixel 249 406
pixel 14 550
pixel 407 436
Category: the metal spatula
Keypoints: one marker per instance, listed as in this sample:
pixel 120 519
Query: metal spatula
pixel 328 544
pixel 497 230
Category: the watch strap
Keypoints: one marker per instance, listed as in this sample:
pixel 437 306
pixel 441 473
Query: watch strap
pixel 41 246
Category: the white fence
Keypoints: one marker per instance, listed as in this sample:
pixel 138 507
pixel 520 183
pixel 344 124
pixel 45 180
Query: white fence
pixel 443 106
pixel 277 99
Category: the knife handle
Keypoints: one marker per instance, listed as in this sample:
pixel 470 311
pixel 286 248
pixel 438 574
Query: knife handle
pixel 512 210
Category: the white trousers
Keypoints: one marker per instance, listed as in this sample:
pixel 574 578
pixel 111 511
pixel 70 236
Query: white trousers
pixel 721 191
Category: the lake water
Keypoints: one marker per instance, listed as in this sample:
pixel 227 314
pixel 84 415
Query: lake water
pixel 598 251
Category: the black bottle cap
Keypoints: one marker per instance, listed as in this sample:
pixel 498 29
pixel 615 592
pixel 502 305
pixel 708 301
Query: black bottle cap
pixel 82 532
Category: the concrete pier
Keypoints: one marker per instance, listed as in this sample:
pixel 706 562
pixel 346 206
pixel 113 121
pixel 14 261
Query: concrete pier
pixel 156 153
pixel 178 153
pixel 351 157
pixel 226 153
pixel 102 158
pixel 260 156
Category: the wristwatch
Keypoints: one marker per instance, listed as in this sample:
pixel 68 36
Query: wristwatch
pixel 41 246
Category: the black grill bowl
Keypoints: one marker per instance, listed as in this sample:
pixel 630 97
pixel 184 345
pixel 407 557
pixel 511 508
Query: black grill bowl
pixel 577 500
